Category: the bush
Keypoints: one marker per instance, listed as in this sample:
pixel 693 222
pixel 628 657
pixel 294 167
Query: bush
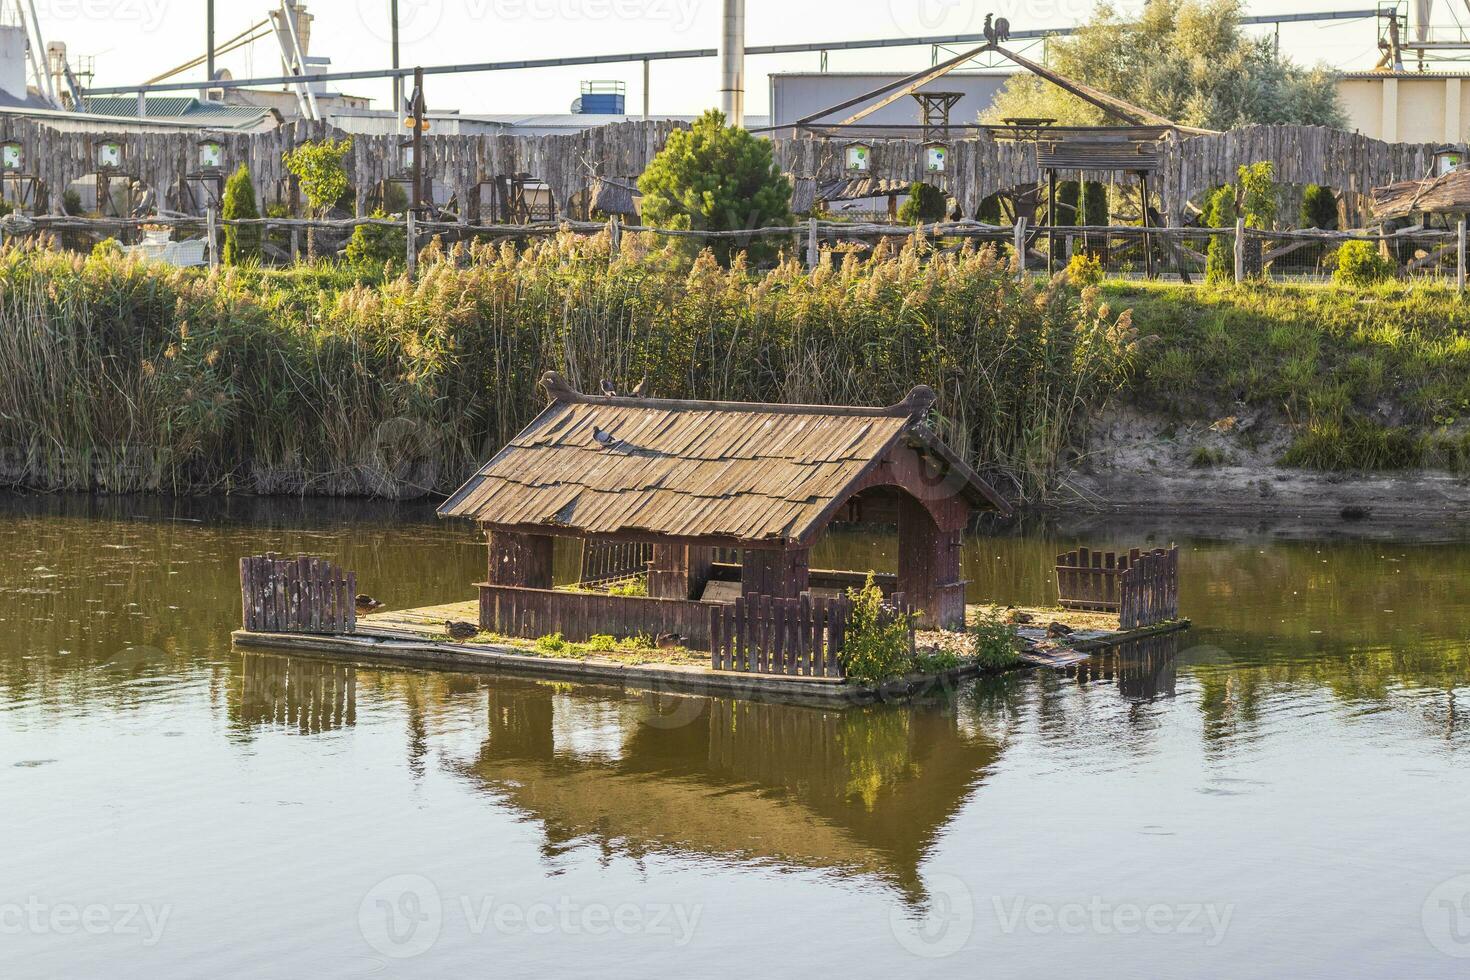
pixel 995 642
pixel 926 204
pixel 377 244
pixel 877 641
pixel 552 643
pixel 1220 212
pixel 1319 207
pixel 242 244
pixel 1361 264
pixel 106 249
pixel 1084 270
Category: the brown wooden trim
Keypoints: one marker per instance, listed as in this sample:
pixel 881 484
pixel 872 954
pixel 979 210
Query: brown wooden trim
pixel 918 401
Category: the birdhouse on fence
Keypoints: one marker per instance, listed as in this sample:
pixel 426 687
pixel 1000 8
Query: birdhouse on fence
pixel 858 158
pixel 12 156
pixel 211 155
pixel 107 154
pixel 1447 159
pixel 936 157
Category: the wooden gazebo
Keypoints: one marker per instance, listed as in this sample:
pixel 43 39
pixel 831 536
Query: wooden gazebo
pixel 692 478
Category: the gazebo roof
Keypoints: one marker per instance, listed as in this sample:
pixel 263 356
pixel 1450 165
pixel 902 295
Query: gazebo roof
pixel 597 465
pixel 1448 192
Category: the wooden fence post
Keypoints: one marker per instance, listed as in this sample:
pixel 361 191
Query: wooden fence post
pixel 615 233
pixel 1240 250
pixel 1020 248
pixel 212 232
pixel 813 250
pixel 1460 257
pixel 411 246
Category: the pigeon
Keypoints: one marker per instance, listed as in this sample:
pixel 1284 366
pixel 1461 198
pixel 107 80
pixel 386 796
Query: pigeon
pixel 604 438
pixel 608 389
pixel 366 603
pixel 461 630
pixel 637 391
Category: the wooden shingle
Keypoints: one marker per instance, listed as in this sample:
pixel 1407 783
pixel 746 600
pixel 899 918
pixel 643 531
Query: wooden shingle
pixel 693 469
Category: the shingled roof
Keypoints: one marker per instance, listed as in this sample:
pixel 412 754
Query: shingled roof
pixel 733 471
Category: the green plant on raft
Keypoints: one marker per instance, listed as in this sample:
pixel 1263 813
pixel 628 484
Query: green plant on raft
pixel 876 645
pixel 995 642
pixel 935 661
pixel 551 643
pixel 1360 263
pixel 629 587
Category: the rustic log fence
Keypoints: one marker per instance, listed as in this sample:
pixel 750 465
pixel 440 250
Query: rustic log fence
pixel 578 616
pixel 297 595
pixel 1141 587
pixel 1126 251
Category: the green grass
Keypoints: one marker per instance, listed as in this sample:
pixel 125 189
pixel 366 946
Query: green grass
pixel 1373 378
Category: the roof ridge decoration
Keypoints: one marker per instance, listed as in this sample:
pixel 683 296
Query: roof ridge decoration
pixel 915 406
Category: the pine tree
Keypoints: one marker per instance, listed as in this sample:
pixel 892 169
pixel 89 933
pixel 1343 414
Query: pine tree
pixel 241 243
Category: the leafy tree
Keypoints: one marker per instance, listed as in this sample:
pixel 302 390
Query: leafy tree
pixel 1187 60
pixel 241 243
pixel 989 211
pixel 1319 207
pixel 926 204
pixel 713 177
pixel 1220 212
pixel 1069 203
pixel 321 169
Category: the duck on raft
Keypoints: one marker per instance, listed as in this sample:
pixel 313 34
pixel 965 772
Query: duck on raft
pixel 366 603
pixel 461 630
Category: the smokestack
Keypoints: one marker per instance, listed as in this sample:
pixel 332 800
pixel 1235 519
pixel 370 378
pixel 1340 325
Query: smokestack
pixel 732 62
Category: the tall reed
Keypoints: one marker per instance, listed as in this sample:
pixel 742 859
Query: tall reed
pixel 119 375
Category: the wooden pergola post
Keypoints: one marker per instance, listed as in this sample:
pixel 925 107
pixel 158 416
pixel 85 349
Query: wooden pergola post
pixel 679 571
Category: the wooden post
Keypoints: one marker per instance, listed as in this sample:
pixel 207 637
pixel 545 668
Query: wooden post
pixel 813 250
pixel 295 244
pixel 212 232
pixel 1460 257
pixel 615 233
pixel 411 246
pixel 1148 252
pixel 1240 250
pixel 1020 248
pixel 1051 221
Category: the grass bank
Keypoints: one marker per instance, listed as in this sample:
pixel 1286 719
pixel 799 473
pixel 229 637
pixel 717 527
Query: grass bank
pixel 1372 378
pixel 326 379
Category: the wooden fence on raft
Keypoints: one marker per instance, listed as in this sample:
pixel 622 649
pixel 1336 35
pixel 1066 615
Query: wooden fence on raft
pixel 297 595
pixel 578 616
pixel 1141 587
pixel 604 562
pixel 1150 590
pixel 801 637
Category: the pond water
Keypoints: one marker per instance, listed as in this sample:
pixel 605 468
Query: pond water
pixel 1281 792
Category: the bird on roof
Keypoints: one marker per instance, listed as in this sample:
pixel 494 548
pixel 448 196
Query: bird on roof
pixel 604 438
pixel 608 389
pixel 638 389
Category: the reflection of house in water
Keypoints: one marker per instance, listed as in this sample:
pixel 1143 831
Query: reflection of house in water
pixel 312 695
pixel 860 791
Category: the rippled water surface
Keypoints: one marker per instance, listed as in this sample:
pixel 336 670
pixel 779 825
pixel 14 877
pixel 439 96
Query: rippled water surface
pixel 1284 792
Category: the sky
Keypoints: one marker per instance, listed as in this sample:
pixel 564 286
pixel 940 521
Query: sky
pixel 133 40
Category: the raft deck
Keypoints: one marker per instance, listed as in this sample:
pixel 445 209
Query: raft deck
pixel 417 637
